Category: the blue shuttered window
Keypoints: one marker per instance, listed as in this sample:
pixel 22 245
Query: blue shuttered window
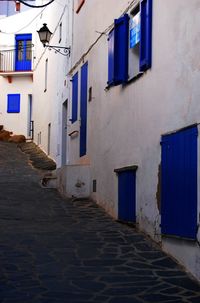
pixel 145 34
pixel 13 103
pixel 118 45
pixel 74 98
pixel 118 52
pixel 83 109
pixel 179 183
pixel 111 58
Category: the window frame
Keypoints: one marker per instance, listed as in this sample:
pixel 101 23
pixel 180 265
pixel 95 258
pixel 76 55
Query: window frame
pixel 119 46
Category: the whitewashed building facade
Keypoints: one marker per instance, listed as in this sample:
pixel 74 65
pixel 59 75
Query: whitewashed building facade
pixel 120 114
pixel 135 116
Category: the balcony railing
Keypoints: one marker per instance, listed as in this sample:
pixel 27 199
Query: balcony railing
pixel 16 60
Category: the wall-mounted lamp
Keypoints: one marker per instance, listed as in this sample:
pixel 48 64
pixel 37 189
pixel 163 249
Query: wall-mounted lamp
pixel 45 36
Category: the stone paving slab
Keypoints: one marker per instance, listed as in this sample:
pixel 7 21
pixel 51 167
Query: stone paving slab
pixel 57 250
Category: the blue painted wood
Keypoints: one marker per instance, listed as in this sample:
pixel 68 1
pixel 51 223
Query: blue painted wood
pixel 111 58
pixel 127 196
pixel 23 51
pixel 145 34
pixel 13 103
pixel 74 98
pixel 179 183
pixel 83 109
pixel 121 49
pixel 118 52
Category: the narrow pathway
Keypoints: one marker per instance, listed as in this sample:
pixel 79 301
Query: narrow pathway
pixel 54 251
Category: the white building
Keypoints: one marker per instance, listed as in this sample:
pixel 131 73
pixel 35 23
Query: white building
pixel 51 81
pixel 17 36
pixel 120 114
pixel 133 144
pixel 33 78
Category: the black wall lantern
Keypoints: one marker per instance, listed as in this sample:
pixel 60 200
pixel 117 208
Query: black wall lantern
pixel 45 36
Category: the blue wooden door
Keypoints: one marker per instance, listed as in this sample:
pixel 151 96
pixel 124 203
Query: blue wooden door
pixel 23 53
pixel 179 183
pixel 83 109
pixel 126 196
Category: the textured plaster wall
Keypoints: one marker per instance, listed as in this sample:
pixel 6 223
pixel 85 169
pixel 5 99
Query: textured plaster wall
pixel 48 107
pixel 125 124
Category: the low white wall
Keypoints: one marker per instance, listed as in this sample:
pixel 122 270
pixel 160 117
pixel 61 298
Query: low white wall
pixel 74 181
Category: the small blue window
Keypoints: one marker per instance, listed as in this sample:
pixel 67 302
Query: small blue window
pixel 13 103
pixel 74 98
pixel 119 59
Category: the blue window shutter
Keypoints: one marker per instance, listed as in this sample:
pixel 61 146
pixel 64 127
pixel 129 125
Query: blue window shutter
pixel 111 58
pixel 127 196
pixel 118 51
pixel 83 109
pixel 145 34
pixel 121 49
pixel 179 183
pixel 74 98
pixel 13 105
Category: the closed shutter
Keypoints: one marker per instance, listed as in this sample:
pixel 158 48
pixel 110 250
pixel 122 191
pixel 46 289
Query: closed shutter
pixel 179 184
pixel 83 109
pixel 145 34
pixel 111 58
pixel 13 103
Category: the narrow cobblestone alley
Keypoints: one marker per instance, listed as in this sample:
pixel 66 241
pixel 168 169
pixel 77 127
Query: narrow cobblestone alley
pixel 54 250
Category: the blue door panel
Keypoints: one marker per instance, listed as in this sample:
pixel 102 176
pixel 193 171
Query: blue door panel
pixel 126 196
pixel 83 109
pixel 179 184
pixel 23 53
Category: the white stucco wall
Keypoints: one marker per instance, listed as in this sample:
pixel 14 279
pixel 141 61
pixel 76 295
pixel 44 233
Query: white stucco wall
pixel 49 103
pixel 125 124
pixel 9 27
pixel 15 122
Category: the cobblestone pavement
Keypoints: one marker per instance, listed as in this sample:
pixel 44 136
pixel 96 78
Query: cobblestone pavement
pixel 56 251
